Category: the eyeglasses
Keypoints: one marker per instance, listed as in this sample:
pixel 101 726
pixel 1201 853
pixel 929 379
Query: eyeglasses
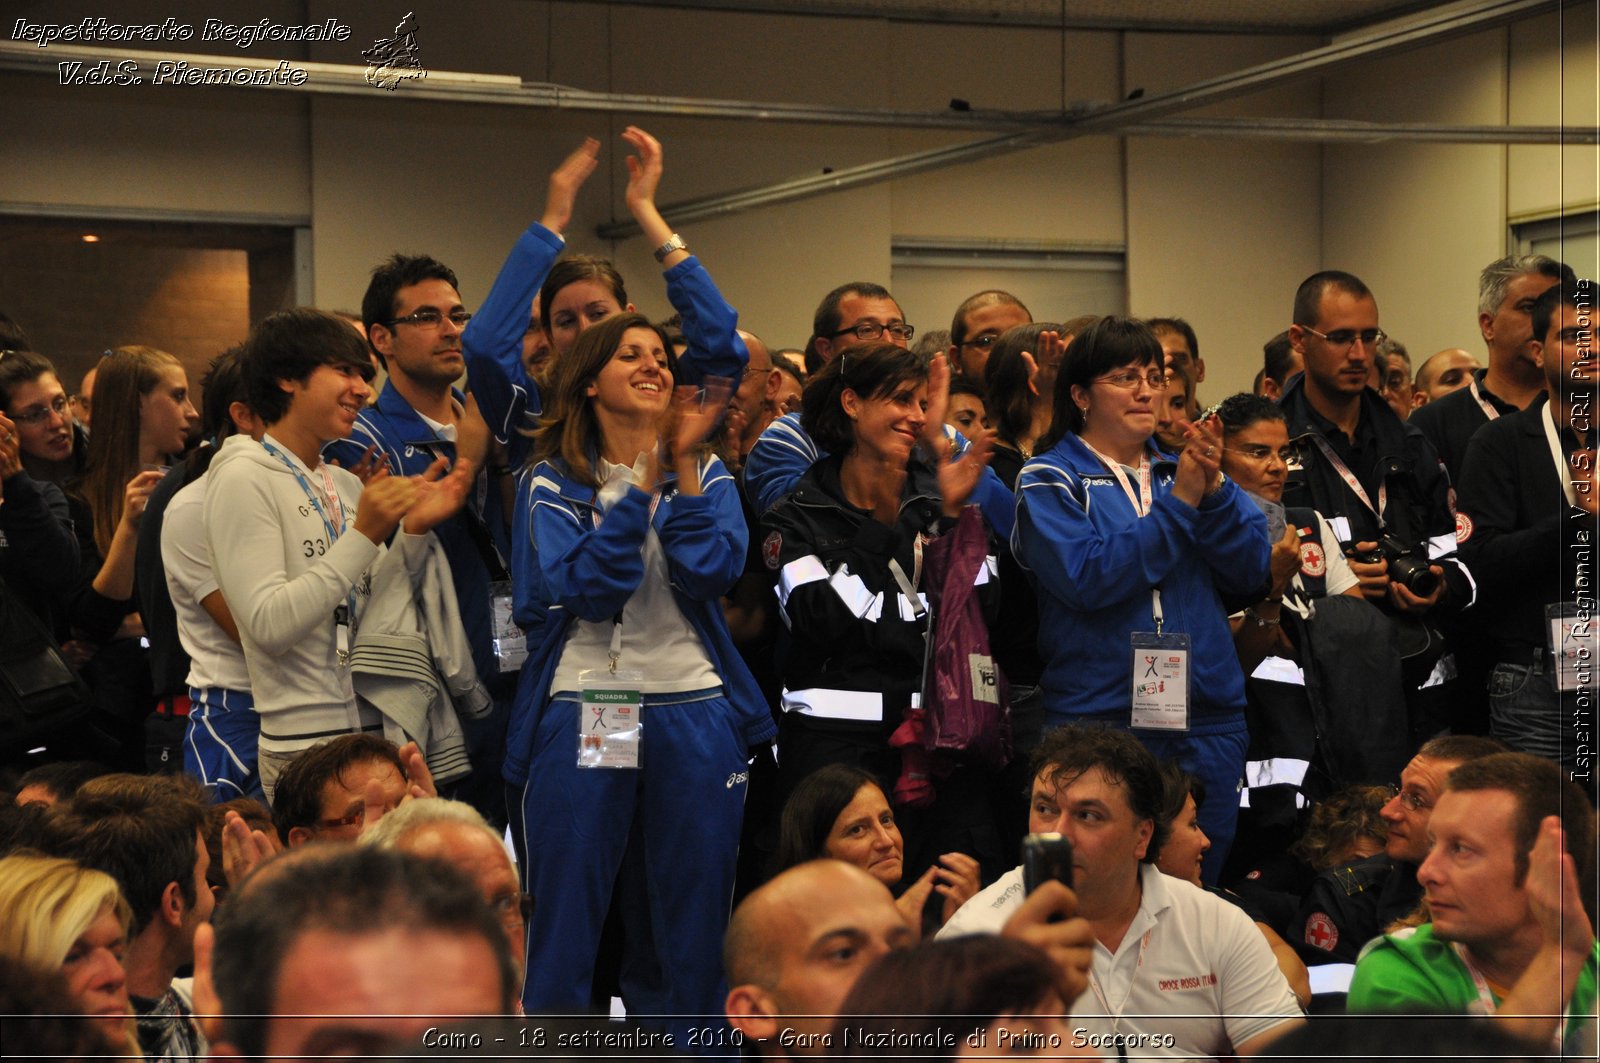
pixel 983 342
pixel 1410 798
pixel 1257 452
pixel 871 330
pixel 429 317
pixel 39 414
pixel 1343 339
pixel 1130 379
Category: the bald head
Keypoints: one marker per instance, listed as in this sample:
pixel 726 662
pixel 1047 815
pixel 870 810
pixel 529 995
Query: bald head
pixel 796 946
pixel 1443 373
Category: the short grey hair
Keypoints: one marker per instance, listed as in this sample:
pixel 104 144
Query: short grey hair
pixel 1498 275
pixel 413 815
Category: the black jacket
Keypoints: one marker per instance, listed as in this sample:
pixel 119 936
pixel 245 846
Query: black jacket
pixel 1450 422
pixel 1518 533
pixel 1387 453
pixel 848 628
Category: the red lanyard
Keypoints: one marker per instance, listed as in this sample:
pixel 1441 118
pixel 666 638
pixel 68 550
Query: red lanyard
pixel 1141 501
pixel 1350 480
pixel 1488 408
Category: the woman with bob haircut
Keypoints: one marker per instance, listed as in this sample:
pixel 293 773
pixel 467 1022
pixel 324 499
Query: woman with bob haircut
pixel 634 533
pixel 1126 543
pixel 575 292
pixel 841 813
pixel 61 916
pixel 847 547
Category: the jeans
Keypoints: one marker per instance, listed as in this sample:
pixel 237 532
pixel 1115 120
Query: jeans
pixel 1527 713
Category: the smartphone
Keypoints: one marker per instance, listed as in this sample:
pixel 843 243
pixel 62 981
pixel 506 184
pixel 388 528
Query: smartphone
pixel 1045 857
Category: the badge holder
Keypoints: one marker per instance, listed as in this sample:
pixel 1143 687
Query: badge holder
pixel 1160 695
pixel 510 644
pixel 341 634
pixel 1571 643
pixel 610 713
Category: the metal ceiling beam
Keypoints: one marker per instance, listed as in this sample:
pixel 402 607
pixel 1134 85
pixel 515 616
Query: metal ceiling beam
pixel 443 86
pixel 1410 32
pixel 1046 16
pixel 1338 131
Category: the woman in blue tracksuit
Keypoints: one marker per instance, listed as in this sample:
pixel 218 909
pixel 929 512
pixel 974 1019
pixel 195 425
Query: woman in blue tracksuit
pixel 561 298
pixel 630 551
pixel 1114 530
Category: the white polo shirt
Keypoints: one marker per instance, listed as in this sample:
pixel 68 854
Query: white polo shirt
pixel 1191 979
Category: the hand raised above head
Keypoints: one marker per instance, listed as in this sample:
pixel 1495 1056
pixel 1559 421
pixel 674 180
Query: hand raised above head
pixel 644 167
pixel 565 181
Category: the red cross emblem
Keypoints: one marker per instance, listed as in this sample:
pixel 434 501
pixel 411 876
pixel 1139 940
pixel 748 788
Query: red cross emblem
pixel 1463 527
pixel 771 546
pixel 1321 932
pixel 1313 562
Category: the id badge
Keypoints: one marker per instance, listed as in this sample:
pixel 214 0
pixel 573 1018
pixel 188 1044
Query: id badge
pixel 510 644
pixel 1572 645
pixel 1160 681
pixel 610 728
pixel 341 634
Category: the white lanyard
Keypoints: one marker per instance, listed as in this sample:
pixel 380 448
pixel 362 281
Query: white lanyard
pixel 1350 480
pixel 1486 1001
pixel 1094 984
pixel 1141 501
pixel 1558 454
pixel 1484 404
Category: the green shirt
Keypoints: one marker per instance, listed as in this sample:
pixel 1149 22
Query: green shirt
pixel 1412 971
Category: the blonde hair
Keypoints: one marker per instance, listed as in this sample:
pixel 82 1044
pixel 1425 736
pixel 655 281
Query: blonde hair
pixel 49 903
pixel 122 378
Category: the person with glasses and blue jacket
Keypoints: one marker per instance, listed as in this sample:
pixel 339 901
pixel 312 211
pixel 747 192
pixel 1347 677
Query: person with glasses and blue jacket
pixel 1132 551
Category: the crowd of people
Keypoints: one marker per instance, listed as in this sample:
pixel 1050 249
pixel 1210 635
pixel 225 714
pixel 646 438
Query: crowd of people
pixel 595 657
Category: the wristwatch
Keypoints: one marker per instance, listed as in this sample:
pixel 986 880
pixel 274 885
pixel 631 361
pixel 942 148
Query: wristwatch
pixel 674 243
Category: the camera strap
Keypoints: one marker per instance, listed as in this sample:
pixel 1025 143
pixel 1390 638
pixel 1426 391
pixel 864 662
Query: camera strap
pixel 1351 482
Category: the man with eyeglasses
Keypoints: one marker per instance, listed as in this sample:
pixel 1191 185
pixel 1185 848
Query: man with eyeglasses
pixel 414 318
pixel 1376 478
pixel 1349 906
pixel 1507 289
pixel 1509 880
pixel 979 321
pixel 454 832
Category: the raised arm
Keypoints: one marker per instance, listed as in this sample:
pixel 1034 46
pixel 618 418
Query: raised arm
pixel 709 323
pixel 492 343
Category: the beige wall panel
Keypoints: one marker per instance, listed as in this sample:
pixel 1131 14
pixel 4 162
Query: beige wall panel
pixel 1417 222
pixel 1220 232
pixel 1555 79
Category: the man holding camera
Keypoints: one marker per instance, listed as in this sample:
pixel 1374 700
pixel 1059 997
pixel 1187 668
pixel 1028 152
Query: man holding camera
pixel 1377 479
pixel 1176 971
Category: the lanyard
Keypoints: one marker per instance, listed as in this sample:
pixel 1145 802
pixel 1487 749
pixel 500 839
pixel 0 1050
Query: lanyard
pixel 1141 501
pixel 334 523
pixel 1116 1016
pixel 336 504
pixel 1484 404
pixel 1559 455
pixel 1351 482
pixel 1486 1004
